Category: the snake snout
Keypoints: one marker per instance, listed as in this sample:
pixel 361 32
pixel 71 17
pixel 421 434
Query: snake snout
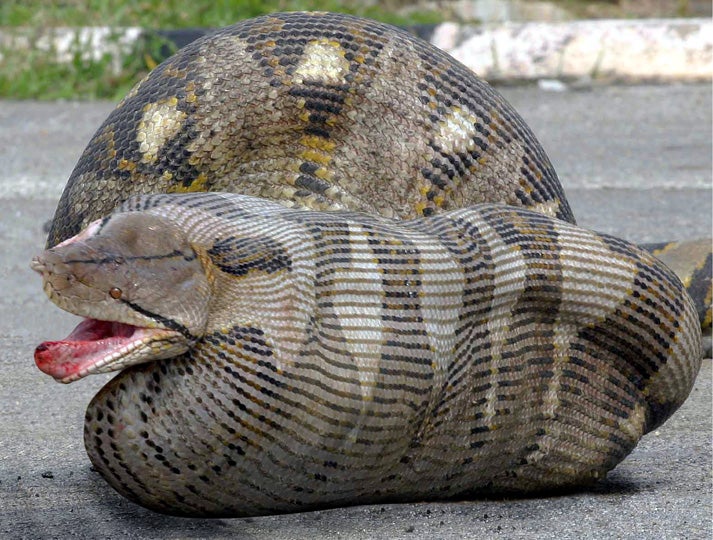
pixel 38 265
pixel 56 274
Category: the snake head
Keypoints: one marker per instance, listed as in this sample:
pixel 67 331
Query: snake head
pixel 140 287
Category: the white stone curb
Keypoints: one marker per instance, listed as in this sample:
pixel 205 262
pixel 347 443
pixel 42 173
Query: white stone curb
pixel 63 43
pixel 610 50
pixel 629 50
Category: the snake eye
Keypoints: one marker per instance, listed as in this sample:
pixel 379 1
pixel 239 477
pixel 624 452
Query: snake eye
pixel 115 293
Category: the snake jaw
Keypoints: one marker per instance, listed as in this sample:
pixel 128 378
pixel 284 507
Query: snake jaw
pixel 96 346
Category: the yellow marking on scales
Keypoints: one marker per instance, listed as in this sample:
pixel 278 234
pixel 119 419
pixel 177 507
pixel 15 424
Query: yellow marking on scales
pixel 317 149
pixel 191 92
pixel 199 183
pixel 322 60
pixel 107 136
pixel 126 165
pixel 160 122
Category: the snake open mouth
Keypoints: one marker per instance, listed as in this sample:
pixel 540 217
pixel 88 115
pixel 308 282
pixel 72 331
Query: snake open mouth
pixel 93 347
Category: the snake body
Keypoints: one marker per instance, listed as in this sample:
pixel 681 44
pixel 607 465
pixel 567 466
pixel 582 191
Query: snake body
pixel 340 358
pixel 281 358
pixel 324 111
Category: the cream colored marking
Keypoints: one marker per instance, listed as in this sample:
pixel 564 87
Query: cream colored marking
pixel 548 208
pixel 584 256
pixel 508 285
pixel 160 122
pixel 323 60
pixel 441 293
pixel 456 131
pixel 359 309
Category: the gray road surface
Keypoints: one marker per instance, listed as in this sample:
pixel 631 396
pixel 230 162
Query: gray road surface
pixel 635 161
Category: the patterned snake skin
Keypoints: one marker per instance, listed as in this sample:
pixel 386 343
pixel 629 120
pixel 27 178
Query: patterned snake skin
pixel 280 359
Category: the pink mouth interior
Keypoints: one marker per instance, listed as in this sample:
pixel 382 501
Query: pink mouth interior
pixel 89 343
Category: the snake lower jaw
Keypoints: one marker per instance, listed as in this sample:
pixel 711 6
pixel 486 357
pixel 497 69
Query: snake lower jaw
pixel 104 346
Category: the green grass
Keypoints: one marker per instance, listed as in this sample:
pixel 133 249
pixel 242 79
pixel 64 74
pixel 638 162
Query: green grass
pixel 36 75
pixel 181 13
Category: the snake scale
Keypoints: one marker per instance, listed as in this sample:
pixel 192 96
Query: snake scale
pixel 445 330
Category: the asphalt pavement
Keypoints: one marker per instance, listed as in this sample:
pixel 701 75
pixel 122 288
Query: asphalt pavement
pixel 635 162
